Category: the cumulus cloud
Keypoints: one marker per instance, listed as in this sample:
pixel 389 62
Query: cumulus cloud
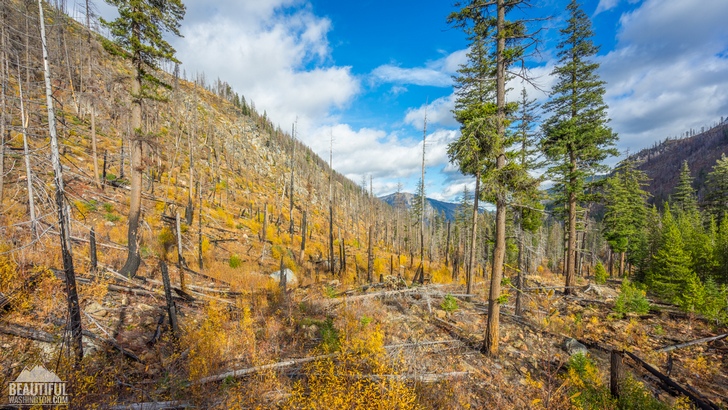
pixel 668 71
pixel 437 73
pixel 438 111
pixel 275 53
pixel 386 157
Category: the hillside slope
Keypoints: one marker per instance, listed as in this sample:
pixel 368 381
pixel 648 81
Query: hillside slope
pixel 662 162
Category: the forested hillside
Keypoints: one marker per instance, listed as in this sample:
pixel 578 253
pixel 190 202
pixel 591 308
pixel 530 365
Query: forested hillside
pixel 164 245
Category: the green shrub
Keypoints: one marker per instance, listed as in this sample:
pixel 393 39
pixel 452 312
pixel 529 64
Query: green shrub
pixel 631 299
pixel 330 336
pixel 585 382
pixel 714 304
pixel 449 304
pixel 112 217
pixel 600 274
pixel 235 261
pixel 634 396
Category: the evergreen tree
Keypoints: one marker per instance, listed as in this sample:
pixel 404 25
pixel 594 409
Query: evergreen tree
pixel 501 176
pixel 626 213
pixel 721 251
pixel 576 136
pixel 716 197
pixel 670 272
pixel 683 199
pixel 475 110
pixel 138 36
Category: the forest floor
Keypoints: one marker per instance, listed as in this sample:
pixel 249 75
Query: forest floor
pixel 364 339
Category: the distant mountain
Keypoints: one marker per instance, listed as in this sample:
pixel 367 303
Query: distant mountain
pixel 405 199
pixel 663 161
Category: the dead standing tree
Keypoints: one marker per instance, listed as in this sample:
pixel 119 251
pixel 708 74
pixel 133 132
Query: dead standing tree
pixel 74 309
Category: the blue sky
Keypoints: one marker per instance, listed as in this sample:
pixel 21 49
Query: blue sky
pixel 364 72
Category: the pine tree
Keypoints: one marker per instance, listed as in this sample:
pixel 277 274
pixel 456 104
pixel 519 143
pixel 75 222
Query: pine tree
pixel 670 271
pixel 501 175
pixel 721 251
pixel 716 197
pixel 626 213
pixel 138 36
pixel 576 136
pixel 474 110
pixel 683 199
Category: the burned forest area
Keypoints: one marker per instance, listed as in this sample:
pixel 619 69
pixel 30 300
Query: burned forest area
pixel 164 245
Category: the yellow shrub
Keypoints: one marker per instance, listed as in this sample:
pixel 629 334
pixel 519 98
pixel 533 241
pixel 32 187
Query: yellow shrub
pixel 441 275
pixel 208 343
pixel 359 377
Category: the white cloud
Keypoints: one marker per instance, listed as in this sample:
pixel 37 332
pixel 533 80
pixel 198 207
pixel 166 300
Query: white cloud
pixel 275 53
pixel 437 73
pixel 438 111
pixel 417 76
pixel 605 5
pixel 387 157
pixel 669 71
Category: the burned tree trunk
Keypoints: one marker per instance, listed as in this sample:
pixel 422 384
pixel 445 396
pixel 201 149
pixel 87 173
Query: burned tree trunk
pixel 74 310
pixel 370 256
pixel 171 308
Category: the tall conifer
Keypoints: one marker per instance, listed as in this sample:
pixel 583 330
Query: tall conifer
pixel 138 36
pixel 576 136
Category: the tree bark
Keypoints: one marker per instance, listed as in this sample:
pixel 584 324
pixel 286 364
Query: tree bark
pixel 93 148
pixel 304 228
pixel 26 157
pixel 171 308
pixel 74 310
pixel 492 331
pixel 474 235
pixel 92 251
pixel 571 244
pixel 616 373
pixel 447 246
pixel 370 256
pixel 133 259
pixel 181 263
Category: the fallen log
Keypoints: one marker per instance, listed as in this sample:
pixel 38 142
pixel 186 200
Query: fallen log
pixel 251 370
pixel 292 362
pixel 384 294
pixel 700 402
pixel 421 344
pixel 457 333
pixel 692 343
pixel 27 333
pixel 202 275
pixel 158 330
pixel 113 344
pixel 422 378
pixel 158 405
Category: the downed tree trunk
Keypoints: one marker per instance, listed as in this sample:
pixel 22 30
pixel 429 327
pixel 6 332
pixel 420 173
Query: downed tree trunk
pixel 243 372
pixel 27 333
pixel 457 333
pixel 422 378
pixel 154 405
pixel 292 362
pixel 700 402
pixel 158 330
pixel 692 342
pixel 113 344
pixel 384 294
